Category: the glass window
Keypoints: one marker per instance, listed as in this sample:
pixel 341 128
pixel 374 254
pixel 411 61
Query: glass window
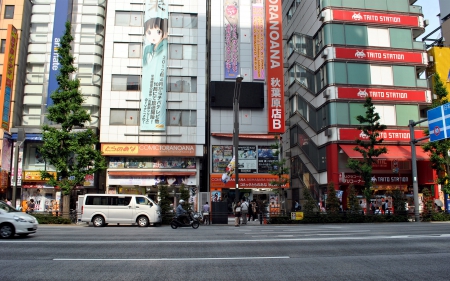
pixel 293 104
pixel 334 34
pixel 134 50
pixel 398 5
pixel 1 77
pixel 404 75
pixel 120 50
pixel 356 109
pixel 190 21
pixel 406 113
pixel 124 117
pixel 3 46
pixel 290 45
pixel 186 118
pixel 136 19
pixel 122 18
pixel 353 3
pixel 376 5
pixel 386 113
pixel 174 117
pixel 176 51
pixel 176 20
pixel 182 84
pixel 302 108
pixel 142 200
pixel 294 136
pixel 132 117
pixel 340 73
pixel 9 12
pixel 125 83
pixel 378 37
pixel 401 38
pixel 189 52
pixel 355 35
pixel 381 75
pixel 358 73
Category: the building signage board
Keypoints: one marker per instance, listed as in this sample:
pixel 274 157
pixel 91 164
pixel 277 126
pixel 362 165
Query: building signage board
pixel 247 159
pixel 363 54
pixel 382 94
pixel 378 18
pixel 439 122
pixel 274 62
pixel 258 42
pixel 378 179
pixel 119 149
pixel 154 67
pixel 245 181
pixel 8 74
pixel 63 11
pixel 266 158
pixel 231 25
pixel 387 135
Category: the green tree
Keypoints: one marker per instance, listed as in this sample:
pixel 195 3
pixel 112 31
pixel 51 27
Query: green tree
pixel 184 194
pixel 368 148
pixel 67 145
pixel 440 160
pixel 332 202
pixel 399 202
pixel 164 202
pixel 310 205
pixel 353 201
pixel 279 170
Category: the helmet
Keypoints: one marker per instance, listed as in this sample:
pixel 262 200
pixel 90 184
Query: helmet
pixel 181 201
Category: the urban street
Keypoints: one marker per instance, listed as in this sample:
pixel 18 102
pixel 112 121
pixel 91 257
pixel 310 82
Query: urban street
pixel 387 251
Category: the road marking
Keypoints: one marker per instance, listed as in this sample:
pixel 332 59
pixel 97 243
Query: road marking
pixel 176 259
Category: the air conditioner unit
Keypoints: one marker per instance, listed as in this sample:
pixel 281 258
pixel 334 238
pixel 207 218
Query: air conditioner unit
pixel 431 58
pixel 325 53
pixel 426 23
pixel 322 16
pixel 287 154
pixel 328 132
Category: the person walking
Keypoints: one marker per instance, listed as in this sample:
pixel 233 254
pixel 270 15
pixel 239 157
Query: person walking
pixel 254 207
pixel 244 210
pixel 31 206
pixel 205 211
pixel 8 202
pixel 237 214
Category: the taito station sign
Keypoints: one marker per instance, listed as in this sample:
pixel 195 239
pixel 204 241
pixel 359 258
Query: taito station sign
pixel 384 94
pixel 378 18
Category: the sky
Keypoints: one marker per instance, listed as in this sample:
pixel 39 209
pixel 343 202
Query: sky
pixel 430 9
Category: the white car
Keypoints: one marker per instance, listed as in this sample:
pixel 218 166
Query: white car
pixel 15 222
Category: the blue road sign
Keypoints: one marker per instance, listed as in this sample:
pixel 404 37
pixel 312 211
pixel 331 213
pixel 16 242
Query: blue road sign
pixel 439 122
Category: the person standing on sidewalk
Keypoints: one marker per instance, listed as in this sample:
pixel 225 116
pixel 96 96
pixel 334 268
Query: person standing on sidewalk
pixel 244 210
pixel 205 211
pixel 237 214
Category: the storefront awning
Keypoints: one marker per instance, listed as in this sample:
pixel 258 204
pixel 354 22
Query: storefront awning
pixel 398 152
pixel 149 173
pixel 246 136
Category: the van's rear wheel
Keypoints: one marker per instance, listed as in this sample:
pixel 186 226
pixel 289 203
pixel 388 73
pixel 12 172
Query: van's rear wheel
pixel 142 221
pixel 98 221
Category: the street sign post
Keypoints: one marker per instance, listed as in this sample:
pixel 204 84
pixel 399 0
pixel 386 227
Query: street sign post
pixel 439 122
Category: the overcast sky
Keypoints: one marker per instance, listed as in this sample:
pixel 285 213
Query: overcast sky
pixel 430 9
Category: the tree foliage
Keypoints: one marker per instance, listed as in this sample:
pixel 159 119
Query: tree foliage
pixel 184 194
pixel 279 170
pixel 354 206
pixel 440 161
pixel 310 204
pixel 368 146
pixel 164 201
pixel 332 202
pixel 399 201
pixel 67 145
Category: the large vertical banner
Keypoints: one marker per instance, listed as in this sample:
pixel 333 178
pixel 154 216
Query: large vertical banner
pixel 154 66
pixel 275 86
pixel 8 74
pixel 231 22
pixel 63 12
pixel 258 42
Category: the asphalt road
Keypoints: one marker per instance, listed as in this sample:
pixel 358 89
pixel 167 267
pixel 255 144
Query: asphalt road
pixel 401 251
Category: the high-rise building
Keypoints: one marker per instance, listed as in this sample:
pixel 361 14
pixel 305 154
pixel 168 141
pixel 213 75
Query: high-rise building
pixel 153 101
pixel 338 53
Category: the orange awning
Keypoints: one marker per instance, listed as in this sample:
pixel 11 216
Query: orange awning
pixel 149 173
pixel 246 136
pixel 398 152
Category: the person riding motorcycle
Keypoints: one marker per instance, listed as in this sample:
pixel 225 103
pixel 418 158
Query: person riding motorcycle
pixel 181 213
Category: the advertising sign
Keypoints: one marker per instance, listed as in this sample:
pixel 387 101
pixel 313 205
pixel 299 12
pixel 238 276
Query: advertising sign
pixel 380 55
pixel 378 179
pixel 439 122
pixel 247 158
pixel 231 23
pixel 245 181
pixel 384 94
pixel 120 149
pixel 154 66
pixel 275 73
pixel 379 18
pixel 8 74
pixel 266 158
pixel 221 157
pixel 258 42
pixel 63 11
pixel 387 135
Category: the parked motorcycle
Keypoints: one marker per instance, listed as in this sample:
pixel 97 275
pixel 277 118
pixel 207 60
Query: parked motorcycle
pixel 194 222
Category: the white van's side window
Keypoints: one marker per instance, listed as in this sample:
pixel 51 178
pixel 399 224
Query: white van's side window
pixel 121 201
pixel 142 201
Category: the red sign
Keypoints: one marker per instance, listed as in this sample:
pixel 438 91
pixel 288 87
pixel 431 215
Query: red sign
pixel 387 135
pixel 376 179
pixel 379 18
pixel 384 94
pixel 275 75
pixel 245 181
pixel 379 55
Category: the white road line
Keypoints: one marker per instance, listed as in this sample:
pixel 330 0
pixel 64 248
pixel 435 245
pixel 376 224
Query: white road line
pixel 175 259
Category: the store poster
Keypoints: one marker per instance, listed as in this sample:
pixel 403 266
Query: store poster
pixel 231 24
pixel 221 157
pixel 151 163
pixel 216 196
pixel 266 158
pixel 247 159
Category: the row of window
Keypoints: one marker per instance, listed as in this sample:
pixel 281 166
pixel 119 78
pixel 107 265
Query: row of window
pixel 295 5
pixel 133 83
pixel 316 155
pixel 352 35
pixel 177 20
pixel 342 113
pixel 9 12
pixel 176 51
pixel 355 74
pixel 131 117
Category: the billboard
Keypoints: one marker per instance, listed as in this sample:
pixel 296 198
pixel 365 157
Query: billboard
pixel 231 23
pixel 8 74
pixel 441 65
pixel 63 13
pixel 154 66
pixel 275 74
pixel 258 42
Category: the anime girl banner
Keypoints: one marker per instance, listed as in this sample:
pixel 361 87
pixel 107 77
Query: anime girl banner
pixel 258 42
pixel 154 66
pixel 231 22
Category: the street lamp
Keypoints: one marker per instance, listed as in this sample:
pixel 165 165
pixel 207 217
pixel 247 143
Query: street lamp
pixel 237 94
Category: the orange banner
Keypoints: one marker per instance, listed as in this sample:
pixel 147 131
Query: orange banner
pixel 34 176
pixel 8 75
pixel 245 181
pixel 120 149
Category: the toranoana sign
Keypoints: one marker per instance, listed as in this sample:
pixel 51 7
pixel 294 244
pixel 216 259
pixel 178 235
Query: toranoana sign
pixel 148 149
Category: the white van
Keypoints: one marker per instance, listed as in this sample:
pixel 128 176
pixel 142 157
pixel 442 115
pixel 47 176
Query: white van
pixel 101 209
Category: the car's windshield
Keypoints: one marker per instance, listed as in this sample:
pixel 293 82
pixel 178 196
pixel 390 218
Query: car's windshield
pixel 7 208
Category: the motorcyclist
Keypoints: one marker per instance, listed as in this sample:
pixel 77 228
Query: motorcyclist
pixel 181 213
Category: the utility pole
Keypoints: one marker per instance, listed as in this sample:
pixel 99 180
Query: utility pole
pixel 237 94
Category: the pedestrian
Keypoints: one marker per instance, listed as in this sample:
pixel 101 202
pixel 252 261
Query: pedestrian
pixel 237 214
pixel 8 202
pixel 244 211
pixel 373 207
pixel 250 211
pixel 205 211
pixel 297 206
pixel 31 206
pixel 254 207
